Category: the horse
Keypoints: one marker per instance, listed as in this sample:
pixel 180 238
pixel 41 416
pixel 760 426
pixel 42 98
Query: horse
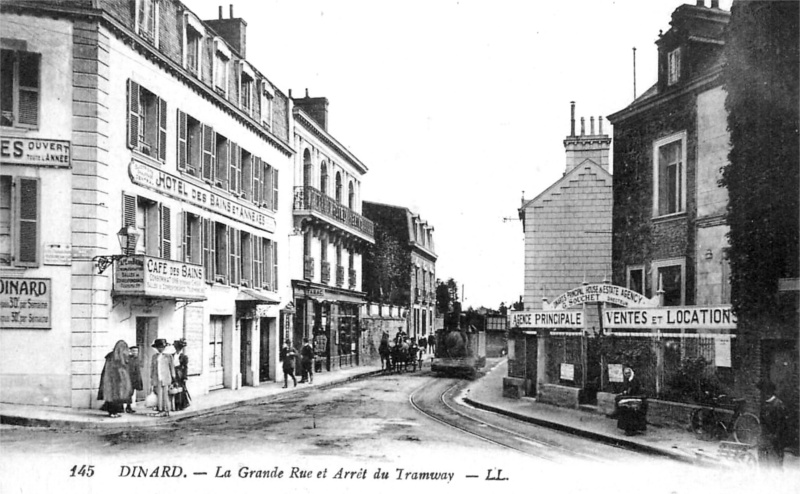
pixel 399 355
pixel 386 355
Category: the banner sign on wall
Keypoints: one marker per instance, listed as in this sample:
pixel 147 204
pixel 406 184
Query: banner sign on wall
pixel 546 319
pixel 601 292
pixel 25 303
pixel 683 317
pixel 722 351
pixel 567 372
pixel 36 152
pixel 159 278
pixel 204 197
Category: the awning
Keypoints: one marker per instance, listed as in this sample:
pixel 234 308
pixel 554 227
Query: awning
pixel 249 295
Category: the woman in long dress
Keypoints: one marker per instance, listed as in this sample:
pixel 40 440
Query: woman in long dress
pixel 181 363
pixel 631 405
pixel 115 381
pixel 162 373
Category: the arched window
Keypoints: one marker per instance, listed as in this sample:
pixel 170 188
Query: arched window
pixel 307 168
pixel 351 196
pixel 323 178
pixel 339 187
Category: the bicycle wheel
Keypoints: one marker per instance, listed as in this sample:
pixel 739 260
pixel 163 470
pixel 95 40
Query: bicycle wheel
pixel 746 429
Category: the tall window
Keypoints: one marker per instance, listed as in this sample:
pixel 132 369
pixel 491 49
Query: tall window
pixel 192 238
pixel 147 20
pixel 221 252
pixel 147 122
pixel 190 144
pixel 223 161
pixel 193 42
pixel 323 178
pixel 246 264
pixel 669 276
pixel 19 221
pixel 674 66
pixel 19 91
pixel 246 92
pixel 351 196
pixel 636 279
pixel 339 187
pixel 221 68
pixel 153 222
pixel 669 195
pixel 307 168
pixel 266 104
pixel 246 187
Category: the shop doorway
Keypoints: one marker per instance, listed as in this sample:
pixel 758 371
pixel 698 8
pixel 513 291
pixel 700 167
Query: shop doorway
pixel 531 363
pixel 264 353
pixel 146 333
pixel 215 367
pixel 246 351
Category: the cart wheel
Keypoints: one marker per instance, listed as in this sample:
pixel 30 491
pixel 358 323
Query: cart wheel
pixel 746 429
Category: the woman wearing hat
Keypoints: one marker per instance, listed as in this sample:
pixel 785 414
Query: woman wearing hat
pixel 162 373
pixel 181 363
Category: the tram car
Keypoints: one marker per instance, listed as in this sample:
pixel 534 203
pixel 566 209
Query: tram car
pixel 460 350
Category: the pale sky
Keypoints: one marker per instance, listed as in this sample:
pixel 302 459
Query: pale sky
pixel 456 107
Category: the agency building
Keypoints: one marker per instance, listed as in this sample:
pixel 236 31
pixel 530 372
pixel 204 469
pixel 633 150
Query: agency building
pixel 141 196
pixel 567 243
pixel 329 239
pixel 401 269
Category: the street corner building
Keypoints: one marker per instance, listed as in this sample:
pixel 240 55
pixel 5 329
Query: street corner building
pixel 145 193
pixel 329 238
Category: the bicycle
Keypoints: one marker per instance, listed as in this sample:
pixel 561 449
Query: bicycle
pixel 709 423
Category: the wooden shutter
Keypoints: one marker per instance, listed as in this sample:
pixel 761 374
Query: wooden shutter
pixel 256 180
pixel 183 147
pixel 266 265
pixel 166 233
pixel 234 254
pixel 234 165
pixel 275 189
pixel 29 67
pixel 129 219
pixel 185 238
pixel 209 152
pixel 275 266
pixel 258 263
pixel 133 114
pixel 27 245
pixel 162 130
pixel 267 195
pixel 209 249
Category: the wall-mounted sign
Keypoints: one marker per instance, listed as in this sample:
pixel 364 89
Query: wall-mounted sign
pixel 57 254
pixel 25 303
pixel 204 197
pixel 546 319
pixel 722 351
pixel 601 292
pixel 36 152
pixel 567 372
pixel 615 373
pixel 683 317
pixel 159 278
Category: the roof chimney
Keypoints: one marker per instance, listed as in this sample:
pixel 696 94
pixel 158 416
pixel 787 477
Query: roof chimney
pixel 594 146
pixel 591 125
pixel 233 31
pixel 600 124
pixel 316 108
pixel 572 119
pixel 702 3
pixel 714 4
pixel 583 126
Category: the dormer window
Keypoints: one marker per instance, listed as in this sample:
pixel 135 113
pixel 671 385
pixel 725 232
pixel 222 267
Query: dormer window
pixel 222 57
pixel 674 66
pixel 246 89
pixel 147 20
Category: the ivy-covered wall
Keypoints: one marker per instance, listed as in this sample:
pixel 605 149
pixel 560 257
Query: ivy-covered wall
pixel 387 266
pixel 638 239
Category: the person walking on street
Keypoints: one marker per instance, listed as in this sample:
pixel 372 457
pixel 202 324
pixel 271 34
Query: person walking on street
pixel 288 356
pixel 115 382
pixel 432 342
pixel 307 362
pixel 774 420
pixel 135 373
pixel 181 363
pixel 162 373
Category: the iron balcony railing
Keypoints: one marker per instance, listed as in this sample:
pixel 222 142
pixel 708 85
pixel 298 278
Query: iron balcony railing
pixel 310 199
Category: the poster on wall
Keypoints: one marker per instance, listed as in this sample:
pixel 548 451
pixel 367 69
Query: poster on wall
pixel 568 372
pixel 511 345
pixel 615 373
pixel 25 303
pixel 193 332
pixel 722 350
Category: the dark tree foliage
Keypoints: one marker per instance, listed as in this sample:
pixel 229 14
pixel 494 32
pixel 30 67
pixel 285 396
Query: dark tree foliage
pixel 761 79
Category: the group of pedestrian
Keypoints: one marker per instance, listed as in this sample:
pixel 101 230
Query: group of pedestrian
pixel 288 356
pixel 121 378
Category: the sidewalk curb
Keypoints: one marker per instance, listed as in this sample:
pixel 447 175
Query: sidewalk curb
pixel 153 422
pixel 603 438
